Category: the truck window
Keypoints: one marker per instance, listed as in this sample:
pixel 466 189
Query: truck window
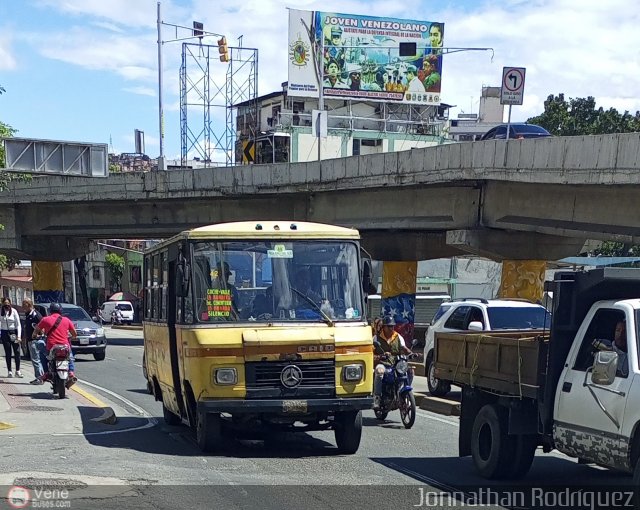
pixel 457 319
pixel 602 327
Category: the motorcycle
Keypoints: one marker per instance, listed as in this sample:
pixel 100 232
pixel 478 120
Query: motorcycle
pixel 58 368
pixel 396 390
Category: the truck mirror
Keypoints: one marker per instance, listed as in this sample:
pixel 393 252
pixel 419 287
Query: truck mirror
pixel 604 368
pixel 476 326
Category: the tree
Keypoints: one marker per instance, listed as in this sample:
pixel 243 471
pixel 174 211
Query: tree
pixel 115 264
pixel 579 116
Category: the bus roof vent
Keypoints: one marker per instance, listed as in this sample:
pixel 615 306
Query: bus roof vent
pixel 276 227
pixel 293 226
pixel 258 226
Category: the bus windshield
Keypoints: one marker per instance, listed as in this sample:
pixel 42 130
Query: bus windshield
pixel 265 281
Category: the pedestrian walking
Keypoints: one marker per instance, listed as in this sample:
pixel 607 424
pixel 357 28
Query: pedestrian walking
pixel 10 333
pixel 36 345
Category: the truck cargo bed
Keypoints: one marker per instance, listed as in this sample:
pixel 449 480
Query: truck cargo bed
pixel 506 363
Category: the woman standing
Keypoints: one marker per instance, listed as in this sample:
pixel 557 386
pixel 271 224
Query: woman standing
pixel 10 333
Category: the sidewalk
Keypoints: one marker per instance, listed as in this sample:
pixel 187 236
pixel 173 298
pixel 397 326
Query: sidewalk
pixel 33 409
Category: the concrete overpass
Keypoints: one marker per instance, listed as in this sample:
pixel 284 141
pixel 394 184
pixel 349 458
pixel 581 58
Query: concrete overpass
pixel 521 199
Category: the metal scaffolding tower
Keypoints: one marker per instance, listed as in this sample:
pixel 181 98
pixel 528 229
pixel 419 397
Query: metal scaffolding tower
pixel 208 93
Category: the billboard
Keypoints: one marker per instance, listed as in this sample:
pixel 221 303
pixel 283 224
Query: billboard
pixel 365 57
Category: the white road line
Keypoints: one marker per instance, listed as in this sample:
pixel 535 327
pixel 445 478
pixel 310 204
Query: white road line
pixel 110 359
pixel 436 418
pixel 136 365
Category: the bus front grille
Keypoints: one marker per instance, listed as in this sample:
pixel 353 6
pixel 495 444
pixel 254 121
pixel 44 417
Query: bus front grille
pixel 265 379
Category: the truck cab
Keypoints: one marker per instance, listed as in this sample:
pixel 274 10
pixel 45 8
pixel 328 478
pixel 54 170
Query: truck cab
pixel 592 419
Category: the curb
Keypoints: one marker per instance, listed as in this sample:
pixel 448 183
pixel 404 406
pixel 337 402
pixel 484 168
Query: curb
pixel 131 328
pixel 439 405
pixel 108 415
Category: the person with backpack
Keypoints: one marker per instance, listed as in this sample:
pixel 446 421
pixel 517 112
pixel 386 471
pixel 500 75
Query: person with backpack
pixel 10 333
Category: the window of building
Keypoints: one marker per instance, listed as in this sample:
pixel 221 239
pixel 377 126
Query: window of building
pixel 356 146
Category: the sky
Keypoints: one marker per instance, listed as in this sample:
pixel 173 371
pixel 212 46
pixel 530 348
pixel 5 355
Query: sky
pixel 86 70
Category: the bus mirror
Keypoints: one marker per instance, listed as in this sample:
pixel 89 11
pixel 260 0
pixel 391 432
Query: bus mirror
pixel 182 279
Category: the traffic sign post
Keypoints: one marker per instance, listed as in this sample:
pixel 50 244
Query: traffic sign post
pixel 512 90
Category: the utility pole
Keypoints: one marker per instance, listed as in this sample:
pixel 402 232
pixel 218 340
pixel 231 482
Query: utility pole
pixel 161 162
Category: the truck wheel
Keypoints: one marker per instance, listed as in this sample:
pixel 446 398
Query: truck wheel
pixel 436 387
pixel 522 458
pixel 348 431
pixel 491 447
pixel 209 431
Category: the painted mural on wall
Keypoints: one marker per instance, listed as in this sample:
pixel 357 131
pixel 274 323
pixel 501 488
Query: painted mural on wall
pixel 399 296
pixel 523 279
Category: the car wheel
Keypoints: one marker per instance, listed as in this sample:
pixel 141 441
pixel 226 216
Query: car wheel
pixel 437 388
pixel 99 356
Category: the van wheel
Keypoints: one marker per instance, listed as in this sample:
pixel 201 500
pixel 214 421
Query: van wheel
pixel 209 431
pixel 522 458
pixel 348 431
pixel 491 446
pixel 169 417
pixel 437 388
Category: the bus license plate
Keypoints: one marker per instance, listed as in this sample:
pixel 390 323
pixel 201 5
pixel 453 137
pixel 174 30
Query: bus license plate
pixel 294 406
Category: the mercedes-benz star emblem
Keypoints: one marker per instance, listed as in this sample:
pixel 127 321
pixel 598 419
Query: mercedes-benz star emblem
pixel 291 376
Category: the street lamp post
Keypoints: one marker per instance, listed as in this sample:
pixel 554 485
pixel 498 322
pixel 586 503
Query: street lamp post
pixel 161 163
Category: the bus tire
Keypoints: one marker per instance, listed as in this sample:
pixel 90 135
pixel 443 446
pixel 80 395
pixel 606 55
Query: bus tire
pixel 348 431
pixel 491 446
pixel 437 388
pixel 169 417
pixel 522 458
pixel 209 431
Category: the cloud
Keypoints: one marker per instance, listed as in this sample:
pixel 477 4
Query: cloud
pixel 7 60
pixel 143 91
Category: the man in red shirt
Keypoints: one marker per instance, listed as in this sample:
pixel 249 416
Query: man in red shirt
pixel 57 328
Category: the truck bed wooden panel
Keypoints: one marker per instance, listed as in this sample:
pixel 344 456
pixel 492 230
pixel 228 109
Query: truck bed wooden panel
pixel 506 362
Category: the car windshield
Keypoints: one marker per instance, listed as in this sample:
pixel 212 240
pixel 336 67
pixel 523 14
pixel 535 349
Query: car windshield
pixel 257 281
pixel 440 312
pixel 75 314
pixel 521 317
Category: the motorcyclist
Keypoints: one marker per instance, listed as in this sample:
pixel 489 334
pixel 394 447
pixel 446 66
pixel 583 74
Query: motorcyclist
pixel 57 329
pixel 387 341
pixel 117 317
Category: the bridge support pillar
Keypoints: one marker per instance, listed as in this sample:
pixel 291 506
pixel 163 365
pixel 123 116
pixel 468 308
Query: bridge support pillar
pixel 47 282
pixel 399 296
pixel 523 279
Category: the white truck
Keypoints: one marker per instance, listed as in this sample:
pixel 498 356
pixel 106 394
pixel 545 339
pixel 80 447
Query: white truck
pixel 574 388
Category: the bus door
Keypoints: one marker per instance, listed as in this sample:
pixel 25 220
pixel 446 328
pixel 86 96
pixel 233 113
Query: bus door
pixel 175 343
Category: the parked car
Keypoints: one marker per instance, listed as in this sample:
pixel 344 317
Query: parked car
pixel 480 315
pixel 108 307
pixel 517 131
pixel 91 338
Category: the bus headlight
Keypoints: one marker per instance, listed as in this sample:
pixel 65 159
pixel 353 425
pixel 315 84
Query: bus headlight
pixel 352 373
pixel 226 376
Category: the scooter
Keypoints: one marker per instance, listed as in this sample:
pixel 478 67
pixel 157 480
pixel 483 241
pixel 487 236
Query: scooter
pixel 58 368
pixel 397 392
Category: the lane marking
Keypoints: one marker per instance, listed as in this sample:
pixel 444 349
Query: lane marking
pixel 136 365
pixel 437 418
pixel 4 425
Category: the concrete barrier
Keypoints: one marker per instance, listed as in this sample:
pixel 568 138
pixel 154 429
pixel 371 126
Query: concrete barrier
pixel 439 405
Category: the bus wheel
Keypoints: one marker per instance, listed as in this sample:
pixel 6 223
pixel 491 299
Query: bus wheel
pixel 209 431
pixel 348 431
pixel 169 417
pixel 490 443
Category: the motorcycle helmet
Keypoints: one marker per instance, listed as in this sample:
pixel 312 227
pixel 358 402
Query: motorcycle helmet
pixel 55 308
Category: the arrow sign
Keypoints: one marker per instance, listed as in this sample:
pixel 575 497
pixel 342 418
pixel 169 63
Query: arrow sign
pixel 512 91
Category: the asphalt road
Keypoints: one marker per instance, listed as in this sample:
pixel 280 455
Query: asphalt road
pixel 161 467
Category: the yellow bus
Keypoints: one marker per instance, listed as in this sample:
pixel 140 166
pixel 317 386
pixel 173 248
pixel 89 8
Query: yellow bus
pixel 256 327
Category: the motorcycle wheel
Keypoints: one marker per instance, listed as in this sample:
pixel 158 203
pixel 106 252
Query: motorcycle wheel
pixel 60 388
pixel 408 410
pixel 381 415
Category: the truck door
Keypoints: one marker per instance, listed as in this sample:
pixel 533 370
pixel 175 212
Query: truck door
pixel 588 417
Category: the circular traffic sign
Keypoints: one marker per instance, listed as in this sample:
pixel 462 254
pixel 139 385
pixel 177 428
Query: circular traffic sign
pixel 513 79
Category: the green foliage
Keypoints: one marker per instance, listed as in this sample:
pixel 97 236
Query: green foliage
pixel 115 264
pixel 114 169
pixel 579 116
pixel 7 262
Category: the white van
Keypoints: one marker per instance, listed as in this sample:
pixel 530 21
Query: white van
pixel 107 308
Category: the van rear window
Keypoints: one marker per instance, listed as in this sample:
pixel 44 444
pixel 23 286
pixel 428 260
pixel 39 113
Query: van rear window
pixel 123 307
